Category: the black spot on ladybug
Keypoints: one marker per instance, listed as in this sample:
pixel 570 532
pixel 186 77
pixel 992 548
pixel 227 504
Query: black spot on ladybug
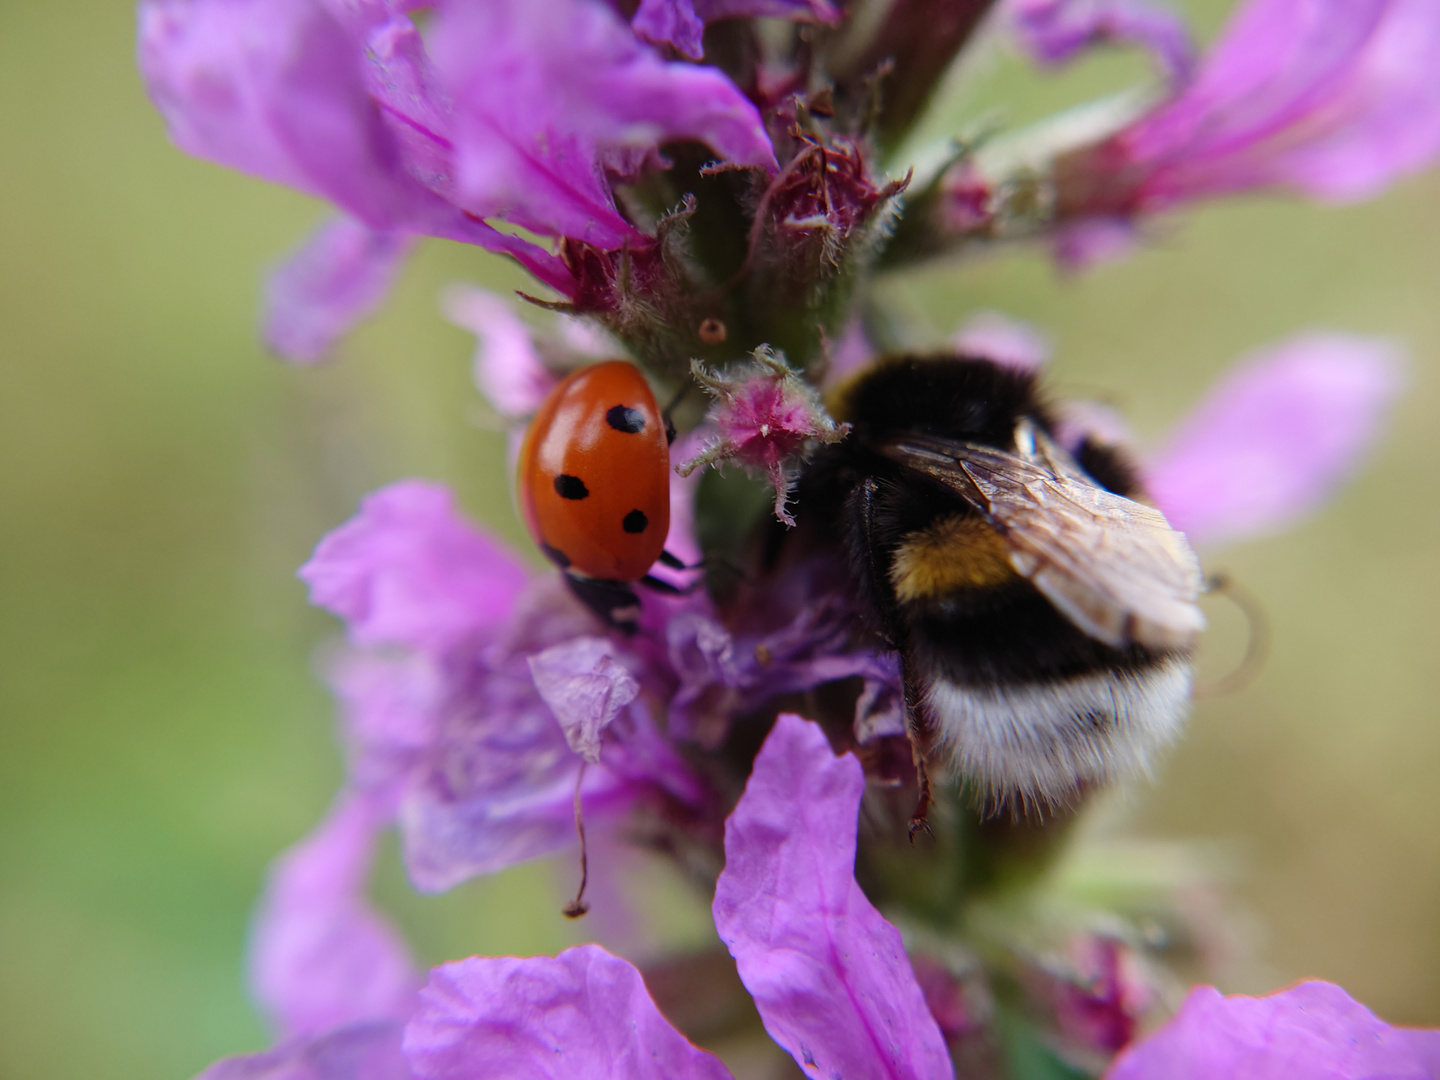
pixel 635 522
pixel 570 487
pixel 555 555
pixel 623 418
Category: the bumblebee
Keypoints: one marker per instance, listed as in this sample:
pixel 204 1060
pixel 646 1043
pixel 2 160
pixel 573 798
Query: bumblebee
pixel 1044 614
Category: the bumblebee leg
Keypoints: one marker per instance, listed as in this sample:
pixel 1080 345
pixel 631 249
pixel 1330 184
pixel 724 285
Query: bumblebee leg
pixel 922 736
pixel 873 557
pixel 920 819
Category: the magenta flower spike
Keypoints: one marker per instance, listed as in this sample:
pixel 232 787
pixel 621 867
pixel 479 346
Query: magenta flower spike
pixel 959 608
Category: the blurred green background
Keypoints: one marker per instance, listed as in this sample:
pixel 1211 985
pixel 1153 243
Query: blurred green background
pixel 163 734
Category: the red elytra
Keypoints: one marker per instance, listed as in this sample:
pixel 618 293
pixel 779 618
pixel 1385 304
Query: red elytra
pixel 594 474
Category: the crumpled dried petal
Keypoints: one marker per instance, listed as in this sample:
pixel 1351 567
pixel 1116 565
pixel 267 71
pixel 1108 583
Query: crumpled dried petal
pixel 339 276
pixel 583 1014
pixel 767 418
pixel 827 972
pixel 1312 1031
pixel 585 688
pixel 408 570
pixel 1275 436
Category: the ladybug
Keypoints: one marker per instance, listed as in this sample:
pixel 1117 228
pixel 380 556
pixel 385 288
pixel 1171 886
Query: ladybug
pixel 594 487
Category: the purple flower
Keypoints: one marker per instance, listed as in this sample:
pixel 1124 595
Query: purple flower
pixel 1312 1031
pixel 830 976
pixel 339 276
pixel 1275 436
pixel 539 117
pixel 1332 98
pixel 321 957
pixel 408 571
pixel 508 369
pixel 470 699
pixel 497 117
pixel 451 732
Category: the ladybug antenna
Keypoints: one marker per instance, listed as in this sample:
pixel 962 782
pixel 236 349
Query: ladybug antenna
pixel 1257 647
pixel 577 907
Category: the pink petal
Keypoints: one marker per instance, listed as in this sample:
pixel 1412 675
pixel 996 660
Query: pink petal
pixel 392 708
pixel 583 1014
pixel 359 1052
pixel 284 90
pixel 545 94
pixel 1276 436
pixel 338 277
pixel 1312 1031
pixel 851 354
pixel 1054 31
pixel 827 972
pixel 275 88
pixel 1093 241
pixel 507 368
pixel 321 957
pixel 408 570
pixel 1008 342
pixel 1334 97
pixel 585 688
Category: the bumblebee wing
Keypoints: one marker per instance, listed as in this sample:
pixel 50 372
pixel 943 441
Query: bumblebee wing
pixel 1113 566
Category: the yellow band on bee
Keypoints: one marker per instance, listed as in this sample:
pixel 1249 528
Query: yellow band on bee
pixel 956 552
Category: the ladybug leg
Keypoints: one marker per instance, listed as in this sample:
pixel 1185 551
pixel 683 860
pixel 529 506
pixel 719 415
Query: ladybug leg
pixel 657 585
pixel 674 562
pixel 613 602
